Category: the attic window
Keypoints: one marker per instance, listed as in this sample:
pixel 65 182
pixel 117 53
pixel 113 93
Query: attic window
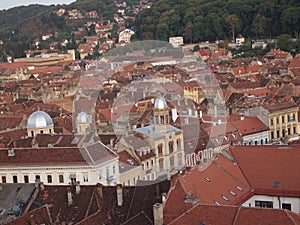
pixel 130 161
pixel 275 185
pixel 239 188
pixel 233 135
pixel 217 203
pixel 225 198
pixel 207 179
pixel 231 192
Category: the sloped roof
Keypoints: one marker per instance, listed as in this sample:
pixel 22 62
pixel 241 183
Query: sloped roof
pixel 234 215
pixel 278 163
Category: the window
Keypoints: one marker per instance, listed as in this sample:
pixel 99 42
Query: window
pixel 32 133
pixel 162 120
pixel 85 178
pixel 277 120
pixel 231 192
pixel 159 147
pixel 143 166
pixel 264 204
pixel 289 131
pixel 37 178
pixel 3 179
pixel 171 148
pixel 272 135
pixel 49 179
pixel 61 178
pixel 294 130
pixel 26 179
pixel 114 169
pixel 161 164
pixel 261 141
pixel 282 119
pixel 287 206
pixel 172 163
pixel 178 145
pixel 15 179
pixel 225 198
pixel 271 121
pixel 278 134
pixel 152 162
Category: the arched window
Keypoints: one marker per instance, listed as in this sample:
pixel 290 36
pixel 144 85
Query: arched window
pixel 160 149
pixel 171 147
pixel 161 164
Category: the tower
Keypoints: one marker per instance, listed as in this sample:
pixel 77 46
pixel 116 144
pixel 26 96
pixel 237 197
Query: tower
pixel 161 115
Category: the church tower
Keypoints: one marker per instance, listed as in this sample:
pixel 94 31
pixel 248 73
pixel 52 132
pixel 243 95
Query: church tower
pixel 161 115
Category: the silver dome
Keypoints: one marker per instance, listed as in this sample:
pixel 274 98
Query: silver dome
pixel 39 120
pixel 160 103
pixel 82 118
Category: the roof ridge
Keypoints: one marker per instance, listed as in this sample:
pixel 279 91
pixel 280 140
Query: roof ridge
pixel 236 215
pixel 290 216
pixel 242 171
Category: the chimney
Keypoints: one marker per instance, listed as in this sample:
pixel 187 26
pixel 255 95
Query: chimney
pixel 119 195
pixel 11 152
pixel 15 144
pixel 242 117
pixel 99 190
pixel 158 214
pixel 200 114
pixel 111 143
pixel 42 186
pixel 189 111
pixel 69 196
pixel 77 187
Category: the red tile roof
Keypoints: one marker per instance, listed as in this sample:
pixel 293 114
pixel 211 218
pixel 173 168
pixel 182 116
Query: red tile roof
pixel 234 215
pixel 278 163
pixel 250 125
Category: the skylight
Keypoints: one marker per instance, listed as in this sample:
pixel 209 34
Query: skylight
pixel 276 183
pixel 231 192
pixel 217 203
pixel 225 198
pixel 207 179
pixel 239 188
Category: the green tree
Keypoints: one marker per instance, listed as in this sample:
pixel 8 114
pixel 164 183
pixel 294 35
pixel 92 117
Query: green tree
pixel 234 23
pixel 284 42
pixel 188 32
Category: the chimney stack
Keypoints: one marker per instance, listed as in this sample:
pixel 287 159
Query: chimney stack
pixel 69 196
pixel 158 214
pixel 119 195
pixel 77 187
pixel 42 186
pixel 99 190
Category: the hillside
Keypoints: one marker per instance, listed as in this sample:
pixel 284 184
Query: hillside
pixel 201 20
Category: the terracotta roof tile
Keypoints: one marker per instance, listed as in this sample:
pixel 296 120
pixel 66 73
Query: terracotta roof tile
pixel 283 168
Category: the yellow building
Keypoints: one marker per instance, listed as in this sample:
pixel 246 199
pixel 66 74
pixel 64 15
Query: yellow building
pixel 282 120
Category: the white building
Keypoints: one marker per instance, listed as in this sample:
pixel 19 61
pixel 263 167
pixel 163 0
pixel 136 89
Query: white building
pixel 125 35
pixel 88 163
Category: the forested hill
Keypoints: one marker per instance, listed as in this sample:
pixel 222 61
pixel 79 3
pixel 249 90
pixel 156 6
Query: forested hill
pixel 199 20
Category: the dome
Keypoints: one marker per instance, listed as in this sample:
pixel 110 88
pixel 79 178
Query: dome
pixel 39 120
pixel 160 103
pixel 82 118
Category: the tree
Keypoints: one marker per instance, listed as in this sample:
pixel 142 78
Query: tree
pixel 188 32
pixel 284 42
pixel 234 23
